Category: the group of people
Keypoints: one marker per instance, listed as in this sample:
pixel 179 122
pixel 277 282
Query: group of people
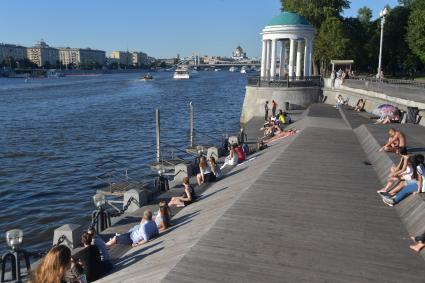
pixel 341 75
pixel 404 179
pixel 93 261
pixel 275 125
pixel 89 264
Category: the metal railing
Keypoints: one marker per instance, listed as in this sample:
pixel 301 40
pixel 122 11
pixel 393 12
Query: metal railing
pixel 314 81
pixel 397 82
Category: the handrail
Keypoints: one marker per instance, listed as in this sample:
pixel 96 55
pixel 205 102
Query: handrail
pixel 409 83
pixel 288 82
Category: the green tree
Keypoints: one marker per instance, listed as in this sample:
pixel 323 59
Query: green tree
pixel 364 15
pixel 416 29
pixel 330 42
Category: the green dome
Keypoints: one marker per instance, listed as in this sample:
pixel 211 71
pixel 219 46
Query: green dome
pixel 288 19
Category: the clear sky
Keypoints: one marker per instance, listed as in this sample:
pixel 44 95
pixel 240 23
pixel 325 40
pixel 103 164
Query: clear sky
pixel 162 28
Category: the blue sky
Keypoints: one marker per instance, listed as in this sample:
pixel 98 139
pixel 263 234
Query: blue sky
pixel 162 28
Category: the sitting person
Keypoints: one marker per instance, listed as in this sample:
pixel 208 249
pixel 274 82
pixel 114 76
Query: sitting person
pixel 406 188
pixel 90 261
pixel 240 153
pixel 142 234
pixel 281 117
pixel 100 244
pixel 205 174
pixel 215 168
pixel 54 266
pixel 232 158
pixel 339 101
pixel 396 141
pixel 163 216
pixel 186 198
pixel 402 172
pixel 419 243
pixel 360 105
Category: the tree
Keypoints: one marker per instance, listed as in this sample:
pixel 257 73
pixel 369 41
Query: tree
pixel 364 15
pixel 330 42
pixel 416 29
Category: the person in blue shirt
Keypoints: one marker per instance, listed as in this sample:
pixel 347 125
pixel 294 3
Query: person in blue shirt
pixel 138 235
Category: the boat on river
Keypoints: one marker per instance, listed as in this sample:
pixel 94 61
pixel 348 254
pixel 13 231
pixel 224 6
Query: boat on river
pixel 147 77
pixel 181 74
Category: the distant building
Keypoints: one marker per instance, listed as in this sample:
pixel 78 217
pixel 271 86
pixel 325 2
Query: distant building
pixel 13 52
pixel 238 54
pixel 80 56
pixel 41 53
pixel 139 58
pixel 123 57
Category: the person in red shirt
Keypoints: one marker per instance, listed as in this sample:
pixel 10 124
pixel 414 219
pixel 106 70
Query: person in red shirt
pixel 274 106
pixel 241 154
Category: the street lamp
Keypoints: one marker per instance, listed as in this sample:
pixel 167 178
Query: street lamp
pixel 14 256
pixel 382 15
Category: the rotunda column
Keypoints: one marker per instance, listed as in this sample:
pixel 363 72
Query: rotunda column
pixel 310 58
pixel 307 58
pixel 282 58
pixel 273 60
pixel 268 60
pixel 291 57
pixel 263 59
pixel 299 57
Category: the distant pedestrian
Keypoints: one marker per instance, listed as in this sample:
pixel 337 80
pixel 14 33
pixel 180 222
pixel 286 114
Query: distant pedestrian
pixel 274 105
pixel 333 77
pixel 266 111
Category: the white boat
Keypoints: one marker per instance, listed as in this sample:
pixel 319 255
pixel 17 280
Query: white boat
pixel 244 70
pixel 233 69
pixel 181 74
pixel 217 70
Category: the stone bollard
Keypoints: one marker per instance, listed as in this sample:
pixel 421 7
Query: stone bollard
pixel 212 151
pixel 181 170
pixel 72 233
pixel 233 140
pixel 140 196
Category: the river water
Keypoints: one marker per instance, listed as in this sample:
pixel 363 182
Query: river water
pixel 56 132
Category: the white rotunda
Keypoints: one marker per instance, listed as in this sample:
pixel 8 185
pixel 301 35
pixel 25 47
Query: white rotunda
pixel 293 28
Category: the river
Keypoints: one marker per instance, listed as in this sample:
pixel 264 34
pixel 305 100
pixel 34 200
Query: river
pixel 56 132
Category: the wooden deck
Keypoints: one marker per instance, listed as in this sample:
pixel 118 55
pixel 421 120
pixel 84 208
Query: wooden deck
pixel 304 210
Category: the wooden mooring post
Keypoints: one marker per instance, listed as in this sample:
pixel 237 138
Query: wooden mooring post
pixel 192 124
pixel 158 137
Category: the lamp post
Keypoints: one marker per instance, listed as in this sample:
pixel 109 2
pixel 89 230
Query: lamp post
pixel 14 256
pixel 382 15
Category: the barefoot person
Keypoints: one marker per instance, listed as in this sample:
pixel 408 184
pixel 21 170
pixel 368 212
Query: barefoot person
pixel 140 235
pixel 419 243
pixel 186 198
pixel 396 141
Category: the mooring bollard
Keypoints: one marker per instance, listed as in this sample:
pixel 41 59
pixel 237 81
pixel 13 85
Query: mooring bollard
pixel 212 151
pixel 72 235
pixel 139 199
pixel 181 170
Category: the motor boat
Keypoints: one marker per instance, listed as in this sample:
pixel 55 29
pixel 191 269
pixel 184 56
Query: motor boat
pixel 244 70
pixel 233 69
pixel 181 74
pixel 147 77
pixel 217 70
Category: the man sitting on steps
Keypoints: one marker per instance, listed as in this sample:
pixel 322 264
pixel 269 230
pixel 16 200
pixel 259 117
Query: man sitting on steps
pixel 396 141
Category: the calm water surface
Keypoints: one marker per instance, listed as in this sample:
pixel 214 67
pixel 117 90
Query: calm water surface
pixel 55 132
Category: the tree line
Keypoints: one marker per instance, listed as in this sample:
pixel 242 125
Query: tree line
pixel 358 38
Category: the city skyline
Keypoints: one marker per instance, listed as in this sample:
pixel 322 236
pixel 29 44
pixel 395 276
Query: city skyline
pixel 214 28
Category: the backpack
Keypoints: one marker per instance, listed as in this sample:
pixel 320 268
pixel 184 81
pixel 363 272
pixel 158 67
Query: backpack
pixel 412 114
